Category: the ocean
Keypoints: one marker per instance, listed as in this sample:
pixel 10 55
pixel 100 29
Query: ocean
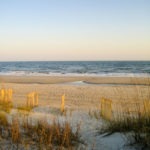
pixel 76 68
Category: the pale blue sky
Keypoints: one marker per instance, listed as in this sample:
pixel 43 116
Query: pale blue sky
pixel 74 30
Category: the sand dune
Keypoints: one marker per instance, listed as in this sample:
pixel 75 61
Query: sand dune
pixel 79 100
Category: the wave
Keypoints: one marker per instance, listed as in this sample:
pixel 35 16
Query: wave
pixel 80 68
pixel 27 73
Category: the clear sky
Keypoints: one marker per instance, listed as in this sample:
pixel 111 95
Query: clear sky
pixel 74 30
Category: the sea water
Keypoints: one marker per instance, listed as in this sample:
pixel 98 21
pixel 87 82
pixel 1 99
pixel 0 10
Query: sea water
pixel 76 68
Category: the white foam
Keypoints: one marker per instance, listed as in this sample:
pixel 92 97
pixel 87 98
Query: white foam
pixel 27 73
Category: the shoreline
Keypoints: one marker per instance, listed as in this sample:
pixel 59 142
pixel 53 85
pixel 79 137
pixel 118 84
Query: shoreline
pixel 87 80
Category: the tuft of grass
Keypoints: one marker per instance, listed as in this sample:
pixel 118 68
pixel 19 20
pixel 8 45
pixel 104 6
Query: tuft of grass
pixel 15 131
pixel 54 134
pixel 6 106
pixel 41 135
pixel 62 108
pixel 138 126
pixel 3 123
pixel 3 119
pixel 24 108
pixel 94 114
pixel 132 116
pixel 126 124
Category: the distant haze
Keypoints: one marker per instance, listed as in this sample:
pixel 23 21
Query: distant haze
pixel 74 30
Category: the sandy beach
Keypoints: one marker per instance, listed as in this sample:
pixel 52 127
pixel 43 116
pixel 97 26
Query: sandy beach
pixel 80 91
pixel 82 95
pixel 67 78
pixel 75 75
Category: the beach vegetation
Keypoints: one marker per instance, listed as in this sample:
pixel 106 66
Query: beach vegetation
pixel 3 119
pixel 41 135
pixel 55 134
pixel 62 107
pixel 24 108
pixel 135 126
pixel 6 100
pixel 6 106
pixel 32 99
pixel 94 114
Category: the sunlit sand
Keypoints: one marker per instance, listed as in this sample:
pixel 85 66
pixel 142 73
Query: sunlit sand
pixel 82 97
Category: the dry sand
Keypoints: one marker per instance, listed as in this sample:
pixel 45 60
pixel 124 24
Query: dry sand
pixel 78 94
pixel 81 97
pixel 63 79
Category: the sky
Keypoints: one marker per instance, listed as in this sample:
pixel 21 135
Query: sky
pixel 49 30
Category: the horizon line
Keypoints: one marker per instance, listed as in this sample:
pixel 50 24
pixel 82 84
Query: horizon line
pixel 69 60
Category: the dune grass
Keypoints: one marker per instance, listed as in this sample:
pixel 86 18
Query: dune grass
pixel 55 134
pixel 41 135
pixel 139 129
pixel 6 106
pixel 132 118
pixel 24 108
pixel 136 125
